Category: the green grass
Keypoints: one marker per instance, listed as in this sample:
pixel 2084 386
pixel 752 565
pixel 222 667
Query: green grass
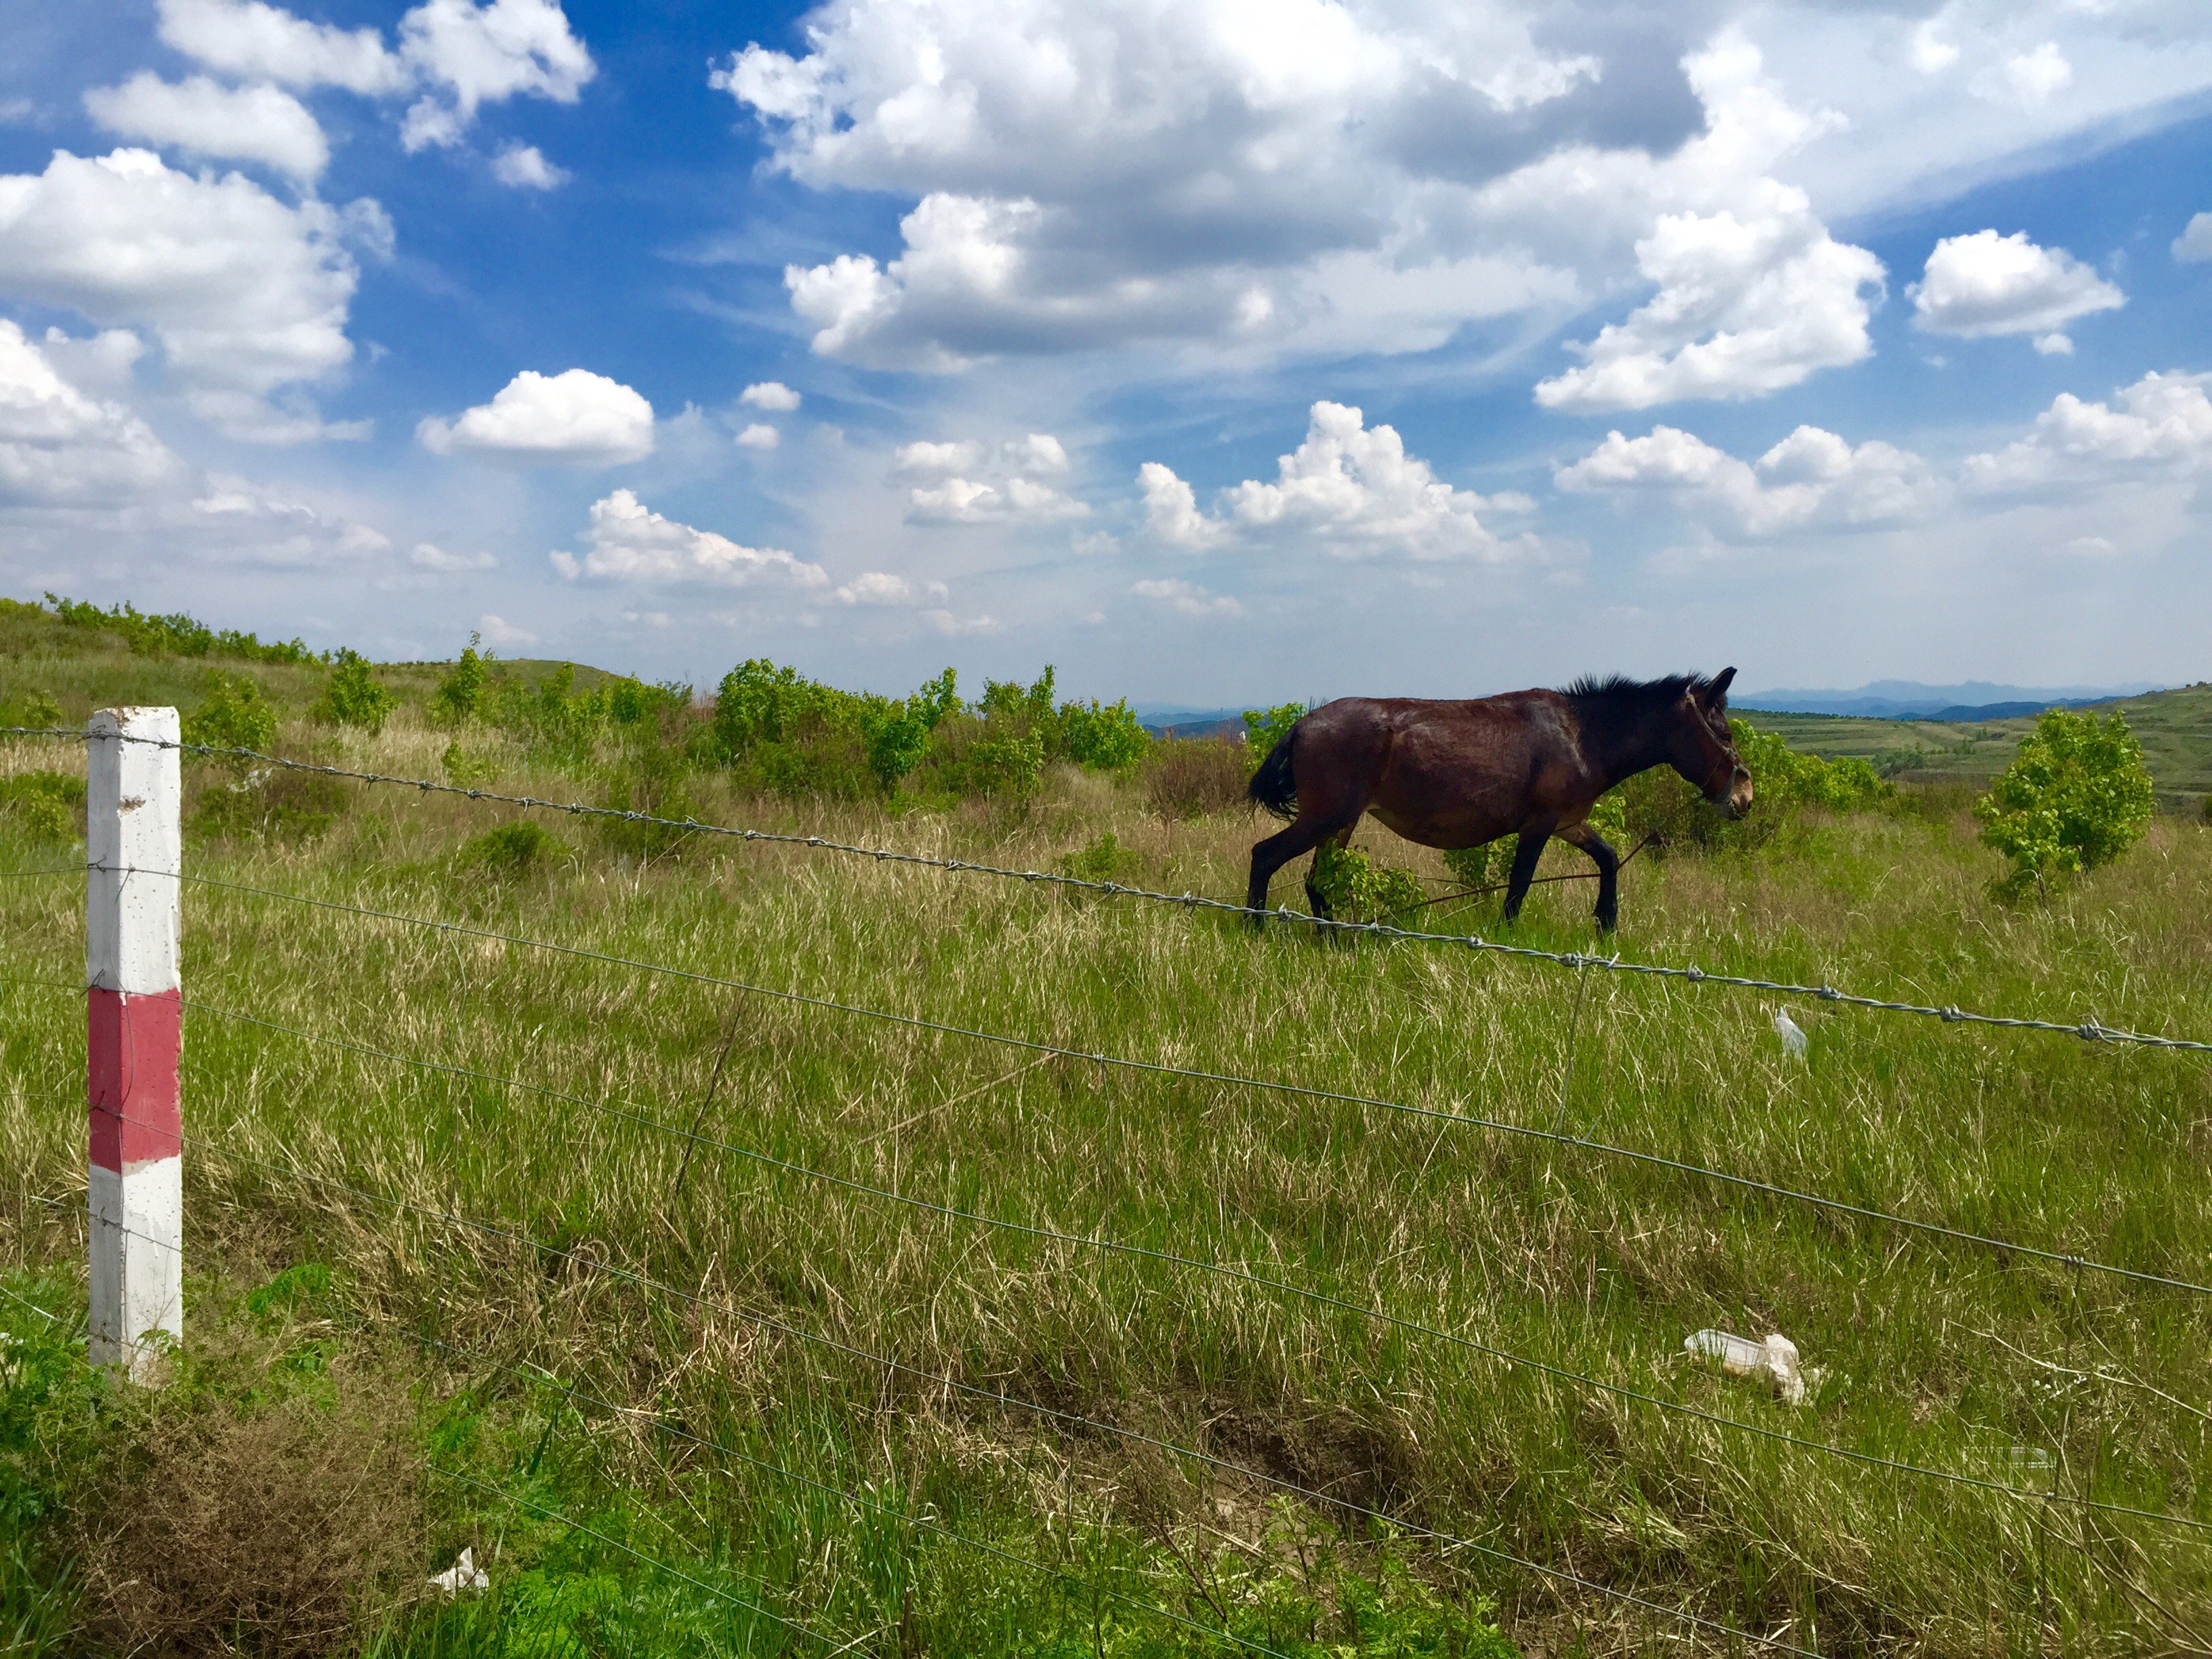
pixel 1935 1353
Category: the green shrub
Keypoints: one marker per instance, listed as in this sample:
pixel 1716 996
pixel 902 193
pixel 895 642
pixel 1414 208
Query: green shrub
pixel 175 636
pixel 1105 738
pixel 1660 805
pixel 464 771
pixel 235 715
pixel 2078 796
pixel 1471 866
pixel 352 696
pixel 1359 890
pixel 511 850
pixel 1102 858
pixel 655 781
pixel 1265 727
pixel 1001 766
pixel 896 735
pixel 49 806
pixel 39 708
pixel 460 690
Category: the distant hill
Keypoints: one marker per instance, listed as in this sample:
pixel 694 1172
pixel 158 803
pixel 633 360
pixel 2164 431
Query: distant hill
pixel 2174 728
pixel 1911 700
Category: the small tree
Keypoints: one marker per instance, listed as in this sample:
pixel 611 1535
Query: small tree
pixel 234 716
pixel 352 698
pixel 1266 727
pixel 461 693
pixel 2078 795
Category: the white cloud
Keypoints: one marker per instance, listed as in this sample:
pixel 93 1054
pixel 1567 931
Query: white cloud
pixel 1087 175
pixel 486 54
pixel 2035 76
pixel 102 362
pixel 1985 284
pixel 1349 488
pixel 248 124
pixel 1928 51
pixel 950 625
pixel 251 527
pixel 880 587
pixel 247 38
pixel 498 631
pixel 968 500
pixel 524 167
pixel 2162 424
pixel 472 54
pixel 1811 479
pixel 924 459
pixel 759 436
pixel 59 447
pixel 1038 452
pixel 244 292
pixel 2194 242
pixel 627 542
pixel 428 555
pixel 774 396
pixel 574 418
pixel 1187 598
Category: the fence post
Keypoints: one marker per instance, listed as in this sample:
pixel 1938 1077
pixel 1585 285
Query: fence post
pixel 134 1029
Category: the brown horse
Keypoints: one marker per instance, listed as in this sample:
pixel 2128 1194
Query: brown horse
pixel 1527 764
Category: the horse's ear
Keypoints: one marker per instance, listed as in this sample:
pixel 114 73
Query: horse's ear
pixel 1717 693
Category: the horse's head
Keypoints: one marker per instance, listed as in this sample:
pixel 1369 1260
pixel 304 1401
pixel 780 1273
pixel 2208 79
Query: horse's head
pixel 1701 750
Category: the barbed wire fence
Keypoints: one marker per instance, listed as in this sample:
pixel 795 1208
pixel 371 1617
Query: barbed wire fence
pixel 1336 1504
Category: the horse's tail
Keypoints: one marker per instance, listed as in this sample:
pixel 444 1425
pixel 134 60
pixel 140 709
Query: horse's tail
pixel 1272 786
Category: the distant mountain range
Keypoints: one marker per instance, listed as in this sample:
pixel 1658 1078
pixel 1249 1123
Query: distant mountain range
pixel 1911 700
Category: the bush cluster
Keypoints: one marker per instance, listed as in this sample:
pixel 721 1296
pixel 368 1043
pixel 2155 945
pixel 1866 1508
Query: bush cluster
pixel 47 805
pixel 177 634
pixel 1672 812
pixel 2078 796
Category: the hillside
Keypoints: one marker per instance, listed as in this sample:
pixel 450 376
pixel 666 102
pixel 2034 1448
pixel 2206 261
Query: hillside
pixel 2175 726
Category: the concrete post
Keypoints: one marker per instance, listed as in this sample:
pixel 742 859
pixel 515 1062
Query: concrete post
pixel 134 1025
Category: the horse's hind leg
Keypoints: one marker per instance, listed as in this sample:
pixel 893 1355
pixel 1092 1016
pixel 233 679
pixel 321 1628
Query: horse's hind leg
pixel 1608 872
pixel 1524 869
pixel 1314 898
pixel 1308 832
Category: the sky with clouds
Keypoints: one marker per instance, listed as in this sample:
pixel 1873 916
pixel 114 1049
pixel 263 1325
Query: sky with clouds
pixel 1215 351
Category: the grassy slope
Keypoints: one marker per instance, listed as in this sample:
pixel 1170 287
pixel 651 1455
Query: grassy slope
pixel 2175 729
pixel 1941 1354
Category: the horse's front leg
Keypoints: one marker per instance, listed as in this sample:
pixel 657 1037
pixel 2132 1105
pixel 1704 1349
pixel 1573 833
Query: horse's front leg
pixel 1608 872
pixel 1524 869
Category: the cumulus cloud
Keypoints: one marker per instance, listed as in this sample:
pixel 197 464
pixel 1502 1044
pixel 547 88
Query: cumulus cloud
pixel 247 38
pixel 2035 76
pixel 524 167
pixel 981 484
pixel 248 124
pixel 1986 284
pixel 574 418
pixel 60 448
pixel 759 436
pixel 626 542
pixel 2162 424
pixel 2194 242
pixel 774 396
pixel 464 53
pixel 1187 598
pixel 1352 489
pixel 1094 174
pixel 1812 477
pixel 244 294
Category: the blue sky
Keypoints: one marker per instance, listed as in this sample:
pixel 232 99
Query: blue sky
pixel 1214 351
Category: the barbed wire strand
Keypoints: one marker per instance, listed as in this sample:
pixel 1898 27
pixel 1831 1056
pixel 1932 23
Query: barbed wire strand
pixel 2089 1031
pixel 1230 1079
pixel 1001 1398
pixel 677 1431
pixel 1224 1270
pixel 574 1525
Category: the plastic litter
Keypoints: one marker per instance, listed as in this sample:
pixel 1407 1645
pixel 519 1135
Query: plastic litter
pixel 1774 1360
pixel 463 1574
pixel 1792 1036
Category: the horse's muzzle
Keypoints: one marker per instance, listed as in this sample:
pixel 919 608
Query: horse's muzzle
pixel 1737 801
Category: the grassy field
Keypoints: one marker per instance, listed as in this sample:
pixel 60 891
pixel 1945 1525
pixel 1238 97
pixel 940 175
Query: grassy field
pixel 2174 728
pixel 367 1390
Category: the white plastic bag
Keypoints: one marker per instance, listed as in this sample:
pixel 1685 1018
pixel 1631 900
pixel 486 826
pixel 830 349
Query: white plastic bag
pixel 1775 1360
pixel 463 1574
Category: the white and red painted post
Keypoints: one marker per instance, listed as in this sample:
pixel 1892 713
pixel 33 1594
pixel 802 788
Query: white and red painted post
pixel 135 1026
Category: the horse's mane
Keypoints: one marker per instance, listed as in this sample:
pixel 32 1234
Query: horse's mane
pixel 1616 701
